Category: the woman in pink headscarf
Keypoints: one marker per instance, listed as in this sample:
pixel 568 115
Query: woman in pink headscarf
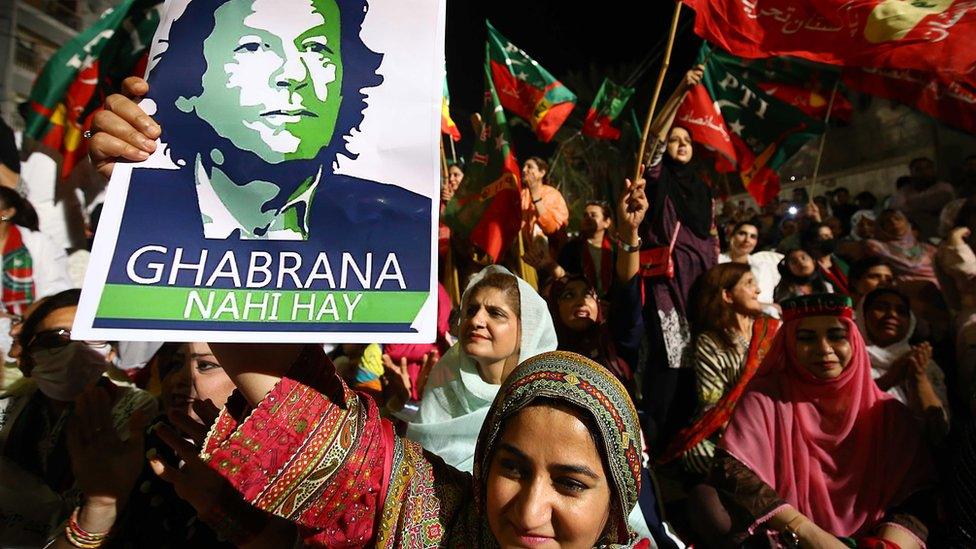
pixel 815 452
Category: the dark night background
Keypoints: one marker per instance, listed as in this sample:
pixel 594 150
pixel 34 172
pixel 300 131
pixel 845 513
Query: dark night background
pixel 588 39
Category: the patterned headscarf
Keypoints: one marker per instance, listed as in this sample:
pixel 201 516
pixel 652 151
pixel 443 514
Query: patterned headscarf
pixel 578 381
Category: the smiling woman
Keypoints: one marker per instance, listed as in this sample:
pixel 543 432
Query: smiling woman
pixel 815 450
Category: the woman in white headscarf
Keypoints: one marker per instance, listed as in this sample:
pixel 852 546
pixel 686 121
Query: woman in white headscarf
pixel 503 322
pixel 905 371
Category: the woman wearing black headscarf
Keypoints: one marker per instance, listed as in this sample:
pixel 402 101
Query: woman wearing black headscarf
pixel 681 218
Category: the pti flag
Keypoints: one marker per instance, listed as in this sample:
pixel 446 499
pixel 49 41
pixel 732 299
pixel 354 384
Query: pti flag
pixel 929 35
pixel 487 209
pixel 527 89
pixel 78 77
pixel 752 132
pixel 288 201
pixel 607 106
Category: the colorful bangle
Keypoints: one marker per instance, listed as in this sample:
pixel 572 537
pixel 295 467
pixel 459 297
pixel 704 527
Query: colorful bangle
pixel 78 537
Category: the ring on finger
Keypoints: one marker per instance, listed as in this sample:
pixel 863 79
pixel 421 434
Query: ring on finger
pixel 87 134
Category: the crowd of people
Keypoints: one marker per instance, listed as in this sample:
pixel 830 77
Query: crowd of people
pixel 681 372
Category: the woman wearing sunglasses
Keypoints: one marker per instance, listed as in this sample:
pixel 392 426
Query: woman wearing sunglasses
pixel 36 477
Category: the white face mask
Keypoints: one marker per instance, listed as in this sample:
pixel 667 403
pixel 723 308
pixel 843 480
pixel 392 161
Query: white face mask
pixel 64 373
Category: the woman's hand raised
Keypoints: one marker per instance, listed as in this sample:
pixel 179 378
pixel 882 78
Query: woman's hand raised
pixel 122 130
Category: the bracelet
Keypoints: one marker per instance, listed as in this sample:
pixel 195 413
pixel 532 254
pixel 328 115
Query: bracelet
pixel 790 532
pixel 78 537
pixel 627 247
pixel 537 200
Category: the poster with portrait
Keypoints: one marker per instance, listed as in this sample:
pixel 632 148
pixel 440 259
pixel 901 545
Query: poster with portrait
pixel 291 197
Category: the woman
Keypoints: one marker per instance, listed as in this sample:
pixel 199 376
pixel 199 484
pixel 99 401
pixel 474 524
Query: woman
pixel 819 241
pixel 913 263
pixel 449 186
pixel 544 209
pixel 503 322
pixel 815 450
pixel 731 338
pixel 799 275
pixel 725 312
pixel 123 494
pixel 557 462
pixel 680 211
pixel 911 260
pixel 905 371
pixel 34 412
pixel 33 266
pixel 582 325
pixel 580 318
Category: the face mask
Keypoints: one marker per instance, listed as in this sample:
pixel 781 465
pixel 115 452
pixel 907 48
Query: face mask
pixel 64 373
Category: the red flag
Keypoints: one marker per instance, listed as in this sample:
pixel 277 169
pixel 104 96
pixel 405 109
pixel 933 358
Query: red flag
pixel 699 115
pixel 932 36
pixel 952 101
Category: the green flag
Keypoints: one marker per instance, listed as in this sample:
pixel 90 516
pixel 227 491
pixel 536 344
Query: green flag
pixel 752 131
pixel 607 106
pixel 527 89
pixel 487 207
pixel 78 77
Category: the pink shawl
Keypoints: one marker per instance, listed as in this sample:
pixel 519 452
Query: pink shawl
pixel 840 451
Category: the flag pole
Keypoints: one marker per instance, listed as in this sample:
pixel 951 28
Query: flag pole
pixel 657 89
pixel 453 150
pixel 823 136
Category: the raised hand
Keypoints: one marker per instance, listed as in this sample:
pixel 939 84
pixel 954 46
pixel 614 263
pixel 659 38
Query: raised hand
pixel 537 254
pixel 958 236
pixel 430 359
pixel 105 466
pixel 193 480
pixel 396 382
pixel 122 130
pixel 632 206
pixel 694 76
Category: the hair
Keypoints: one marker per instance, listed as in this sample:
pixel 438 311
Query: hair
pixel 604 205
pixel 542 164
pixel 192 135
pixel 26 215
pixel 67 298
pixel 505 283
pixel 873 296
pixel 842 190
pixel 861 267
pixel 459 164
pixel 708 313
pixel 749 222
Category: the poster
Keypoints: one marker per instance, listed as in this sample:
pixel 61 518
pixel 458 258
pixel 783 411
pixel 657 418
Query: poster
pixel 291 196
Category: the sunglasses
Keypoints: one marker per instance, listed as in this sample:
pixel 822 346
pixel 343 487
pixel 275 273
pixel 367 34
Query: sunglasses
pixel 57 339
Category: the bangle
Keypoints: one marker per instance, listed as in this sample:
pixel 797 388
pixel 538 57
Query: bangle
pixel 537 200
pixel 78 537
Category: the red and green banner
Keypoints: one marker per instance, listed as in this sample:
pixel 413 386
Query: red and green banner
pixel 607 106
pixel 752 131
pixel 945 98
pixel 78 77
pixel 487 208
pixel 448 127
pixel 527 89
pixel 926 35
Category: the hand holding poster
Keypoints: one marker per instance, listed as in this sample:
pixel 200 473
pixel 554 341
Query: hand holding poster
pixel 291 199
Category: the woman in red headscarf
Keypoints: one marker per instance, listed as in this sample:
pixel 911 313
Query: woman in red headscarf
pixel 815 451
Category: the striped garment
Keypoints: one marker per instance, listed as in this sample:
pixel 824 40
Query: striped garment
pixel 717 368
